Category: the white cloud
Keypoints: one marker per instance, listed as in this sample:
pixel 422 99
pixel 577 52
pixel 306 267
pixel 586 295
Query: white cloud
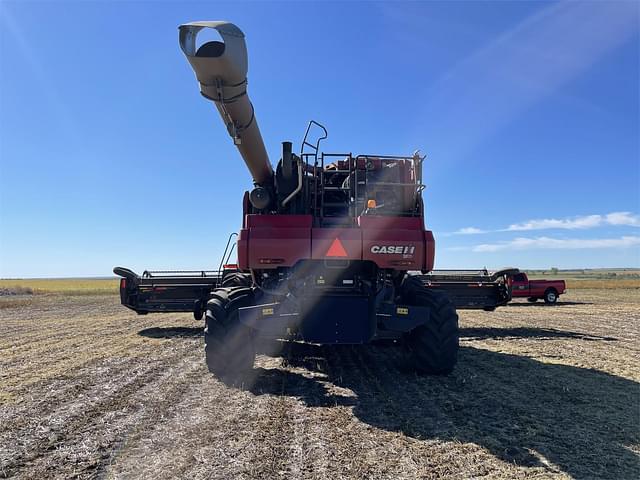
pixel 523 243
pixel 574 223
pixel 617 219
pixel 469 231
pixel 589 221
pixel 623 218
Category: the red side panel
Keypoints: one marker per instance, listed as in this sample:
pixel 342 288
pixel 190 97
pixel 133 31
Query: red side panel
pixel 278 240
pixel 336 243
pixel 271 241
pixel 243 245
pixel 429 251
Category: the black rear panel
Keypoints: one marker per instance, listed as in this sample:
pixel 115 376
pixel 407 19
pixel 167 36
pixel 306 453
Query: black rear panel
pixel 338 319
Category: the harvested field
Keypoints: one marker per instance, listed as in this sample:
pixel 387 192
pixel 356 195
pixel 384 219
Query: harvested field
pixel 88 389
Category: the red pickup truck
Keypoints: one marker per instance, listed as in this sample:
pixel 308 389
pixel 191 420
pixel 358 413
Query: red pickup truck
pixel 548 290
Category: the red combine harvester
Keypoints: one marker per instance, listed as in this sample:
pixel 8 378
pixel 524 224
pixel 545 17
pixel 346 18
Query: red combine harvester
pixel 325 249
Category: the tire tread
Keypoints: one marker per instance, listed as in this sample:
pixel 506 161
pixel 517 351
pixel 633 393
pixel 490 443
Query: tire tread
pixel 229 347
pixel 433 347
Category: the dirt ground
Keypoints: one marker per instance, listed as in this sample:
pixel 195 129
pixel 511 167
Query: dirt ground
pixel 88 389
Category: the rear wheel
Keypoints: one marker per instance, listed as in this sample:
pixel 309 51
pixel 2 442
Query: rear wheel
pixel 433 347
pixel 550 296
pixel 532 299
pixel 229 348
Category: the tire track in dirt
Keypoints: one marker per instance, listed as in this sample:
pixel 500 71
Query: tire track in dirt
pixel 54 311
pixel 180 439
pixel 20 380
pixel 47 396
pixel 383 397
pixel 51 335
pixel 151 407
pixel 48 332
pixel 273 429
pixel 221 435
pixel 72 421
pixel 306 392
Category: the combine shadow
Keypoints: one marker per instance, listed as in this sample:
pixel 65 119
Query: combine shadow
pixel 171 332
pixel 482 333
pixel 314 393
pixel 561 418
pixel 559 303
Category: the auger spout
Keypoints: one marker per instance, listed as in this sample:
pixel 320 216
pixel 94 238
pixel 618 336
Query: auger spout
pixel 221 70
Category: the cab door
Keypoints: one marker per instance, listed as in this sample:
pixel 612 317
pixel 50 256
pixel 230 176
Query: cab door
pixel 520 285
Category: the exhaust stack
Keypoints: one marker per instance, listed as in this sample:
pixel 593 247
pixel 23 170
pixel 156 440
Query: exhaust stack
pixel 221 70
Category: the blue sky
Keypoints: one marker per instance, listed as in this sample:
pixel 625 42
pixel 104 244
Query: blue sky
pixel 528 113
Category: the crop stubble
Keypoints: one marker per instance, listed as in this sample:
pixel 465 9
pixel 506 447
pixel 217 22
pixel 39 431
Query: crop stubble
pixel 88 389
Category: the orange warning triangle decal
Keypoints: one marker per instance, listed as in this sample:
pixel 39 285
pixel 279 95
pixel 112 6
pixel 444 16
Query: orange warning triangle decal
pixel 336 249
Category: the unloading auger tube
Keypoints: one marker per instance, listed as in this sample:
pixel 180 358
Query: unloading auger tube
pixel 221 70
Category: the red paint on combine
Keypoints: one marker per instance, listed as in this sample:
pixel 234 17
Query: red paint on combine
pixel 271 241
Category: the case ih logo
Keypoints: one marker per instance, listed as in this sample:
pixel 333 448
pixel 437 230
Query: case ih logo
pixel 397 249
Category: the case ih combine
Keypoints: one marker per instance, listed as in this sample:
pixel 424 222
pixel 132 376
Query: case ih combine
pixel 325 249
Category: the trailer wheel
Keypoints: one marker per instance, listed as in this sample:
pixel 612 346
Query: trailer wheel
pixel 550 296
pixel 433 347
pixel 229 349
pixel 236 279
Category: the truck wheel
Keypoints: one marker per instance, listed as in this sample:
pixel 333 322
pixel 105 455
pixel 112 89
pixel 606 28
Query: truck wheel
pixel 550 296
pixel 433 347
pixel 229 349
pixel 236 279
pixel 532 299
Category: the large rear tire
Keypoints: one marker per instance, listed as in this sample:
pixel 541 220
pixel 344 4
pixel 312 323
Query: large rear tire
pixel 229 348
pixel 433 347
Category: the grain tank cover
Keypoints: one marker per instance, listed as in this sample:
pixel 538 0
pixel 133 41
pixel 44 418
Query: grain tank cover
pixel 221 69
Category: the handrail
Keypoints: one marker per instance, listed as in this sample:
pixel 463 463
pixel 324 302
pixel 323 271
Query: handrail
pixel 179 273
pixel 316 147
pixel 224 254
